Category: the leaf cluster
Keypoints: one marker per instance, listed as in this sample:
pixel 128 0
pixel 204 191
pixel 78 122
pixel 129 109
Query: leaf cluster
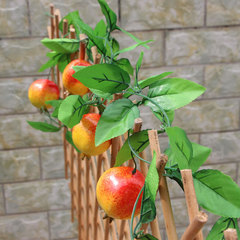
pixel 216 192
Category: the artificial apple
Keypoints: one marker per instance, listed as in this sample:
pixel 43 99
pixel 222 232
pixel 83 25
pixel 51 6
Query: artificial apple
pixel 42 90
pixel 117 191
pixel 73 85
pixel 83 135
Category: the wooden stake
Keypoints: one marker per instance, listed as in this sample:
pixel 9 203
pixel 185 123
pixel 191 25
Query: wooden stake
pixel 52 20
pixel 154 145
pixel 57 36
pixel 195 226
pixel 82 51
pixel 72 36
pixel 87 167
pixel 71 183
pixel 230 234
pixel 79 183
pixel 99 171
pixel 65 152
pixel 190 196
pixel 65 28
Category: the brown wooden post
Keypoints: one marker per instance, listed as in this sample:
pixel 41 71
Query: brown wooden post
pixel 195 226
pixel 191 199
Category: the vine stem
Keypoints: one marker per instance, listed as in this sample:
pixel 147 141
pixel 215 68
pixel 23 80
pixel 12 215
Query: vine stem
pixel 134 152
pixel 133 212
pixel 156 104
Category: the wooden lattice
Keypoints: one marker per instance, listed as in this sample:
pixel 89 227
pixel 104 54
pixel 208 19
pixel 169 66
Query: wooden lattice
pixel 84 173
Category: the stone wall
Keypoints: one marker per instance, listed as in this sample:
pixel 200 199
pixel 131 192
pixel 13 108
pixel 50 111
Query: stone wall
pixel 198 40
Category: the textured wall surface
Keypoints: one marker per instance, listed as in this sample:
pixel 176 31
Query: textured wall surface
pixel 197 39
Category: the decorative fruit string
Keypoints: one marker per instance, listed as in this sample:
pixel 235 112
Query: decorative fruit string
pixel 164 95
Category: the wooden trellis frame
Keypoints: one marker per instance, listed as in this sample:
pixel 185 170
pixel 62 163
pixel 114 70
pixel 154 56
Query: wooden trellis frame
pixel 84 173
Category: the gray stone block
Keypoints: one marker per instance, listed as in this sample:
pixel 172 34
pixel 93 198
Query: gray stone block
pixel 224 12
pixel 87 9
pixel 222 80
pixel 2 211
pixel 179 211
pixel 37 196
pixel 24 227
pixel 61 225
pixel 19 165
pixel 14 95
pixel 15 132
pixel 225 146
pixel 52 159
pixel 153 14
pixel 21 56
pixel 14 18
pixel 202 46
pixel 208 115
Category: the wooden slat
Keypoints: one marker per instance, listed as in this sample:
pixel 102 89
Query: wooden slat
pixel 195 226
pixel 191 199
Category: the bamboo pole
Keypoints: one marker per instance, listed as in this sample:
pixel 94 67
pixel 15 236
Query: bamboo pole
pixel 82 51
pixel 163 190
pixel 71 183
pixel 230 234
pixel 191 199
pixel 160 164
pixel 195 226
pixel 87 167
pixel 72 36
pixel 52 34
pixel 80 224
pixel 99 171
pixel 57 18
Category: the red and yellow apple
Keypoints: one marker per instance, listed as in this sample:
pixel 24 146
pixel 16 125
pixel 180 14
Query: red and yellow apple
pixel 117 191
pixel 42 90
pixel 73 85
pixel 83 135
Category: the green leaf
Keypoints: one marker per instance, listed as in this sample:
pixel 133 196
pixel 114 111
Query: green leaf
pixel 71 110
pixel 139 141
pixel 56 104
pixel 125 64
pixel 173 93
pixel 100 29
pixel 217 193
pixel 107 78
pixel 147 237
pixel 110 16
pixel 78 68
pixel 74 19
pixel 138 66
pixel 181 147
pixel 63 62
pixel 117 118
pixel 148 209
pixel 220 226
pixel 81 27
pixel 148 81
pixel 200 155
pixel 132 47
pixel 61 45
pixel 112 47
pixel 44 127
pixel 54 58
pixel 68 137
pixel 133 37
